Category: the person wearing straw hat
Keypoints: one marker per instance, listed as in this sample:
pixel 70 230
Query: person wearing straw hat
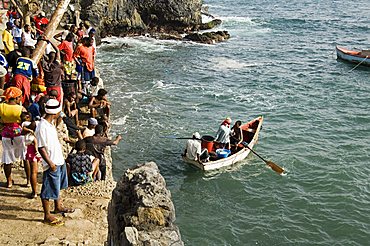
pixel 55 173
pixel 12 141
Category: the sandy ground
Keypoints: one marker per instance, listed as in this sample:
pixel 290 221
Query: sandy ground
pixel 21 218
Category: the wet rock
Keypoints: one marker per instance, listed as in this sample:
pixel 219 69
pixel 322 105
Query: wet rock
pixel 121 18
pixel 141 211
pixel 208 37
pixel 209 25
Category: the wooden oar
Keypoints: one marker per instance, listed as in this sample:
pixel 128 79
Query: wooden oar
pixel 174 137
pixel 271 164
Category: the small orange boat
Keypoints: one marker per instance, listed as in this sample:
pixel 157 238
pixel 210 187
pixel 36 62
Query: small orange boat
pixel 360 57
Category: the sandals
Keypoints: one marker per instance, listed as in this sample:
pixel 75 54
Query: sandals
pixel 56 222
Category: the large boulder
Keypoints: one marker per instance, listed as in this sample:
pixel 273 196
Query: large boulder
pixel 141 211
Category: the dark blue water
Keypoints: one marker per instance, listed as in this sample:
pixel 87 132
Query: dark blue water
pixel 280 63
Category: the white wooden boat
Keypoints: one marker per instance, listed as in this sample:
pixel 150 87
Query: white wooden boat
pixel 251 131
pixel 360 57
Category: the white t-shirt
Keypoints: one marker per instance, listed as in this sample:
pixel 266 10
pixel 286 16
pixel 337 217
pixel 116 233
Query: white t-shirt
pixel 193 147
pixel 88 132
pixel 47 137
pixel 28 40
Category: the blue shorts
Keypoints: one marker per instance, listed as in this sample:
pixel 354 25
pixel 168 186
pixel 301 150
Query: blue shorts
pixel 18 39
pixel 87 75
pixel 53 182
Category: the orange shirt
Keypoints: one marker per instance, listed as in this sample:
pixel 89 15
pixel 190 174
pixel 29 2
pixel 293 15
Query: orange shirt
pixel 87 55
pixel 67 48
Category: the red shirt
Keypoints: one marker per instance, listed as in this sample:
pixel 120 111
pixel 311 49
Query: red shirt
pixel 87 55
pixel 39 21
pixel 67 48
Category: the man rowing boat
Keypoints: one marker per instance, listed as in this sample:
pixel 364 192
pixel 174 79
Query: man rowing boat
pixel 193 150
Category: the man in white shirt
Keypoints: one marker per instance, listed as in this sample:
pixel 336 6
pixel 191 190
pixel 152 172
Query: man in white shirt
pixel 55 174
pixel 193 150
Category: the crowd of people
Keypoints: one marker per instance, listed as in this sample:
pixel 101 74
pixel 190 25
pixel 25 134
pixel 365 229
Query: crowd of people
pixel 37 98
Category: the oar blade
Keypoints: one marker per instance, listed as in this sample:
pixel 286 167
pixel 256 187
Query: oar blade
pixel 275 167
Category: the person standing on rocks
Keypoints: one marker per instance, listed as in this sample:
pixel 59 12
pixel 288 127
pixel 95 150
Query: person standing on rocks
pixel 53 72
pixel 12 141
pixel 8 38
pixel 55 173
pixel 84 56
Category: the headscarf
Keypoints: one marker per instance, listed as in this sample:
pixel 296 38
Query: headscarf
pixel 12 92
pixel 226 122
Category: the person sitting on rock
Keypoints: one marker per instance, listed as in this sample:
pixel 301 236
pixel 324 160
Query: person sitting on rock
pixel 83 167
pixel 99 105
pixel 70 107
pixel 96 146
pixel 90 129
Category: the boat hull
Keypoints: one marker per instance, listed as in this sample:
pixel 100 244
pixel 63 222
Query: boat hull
pixel 232 159
pixel 353 56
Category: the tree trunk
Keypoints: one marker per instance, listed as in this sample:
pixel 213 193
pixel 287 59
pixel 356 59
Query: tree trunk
pixel 50 29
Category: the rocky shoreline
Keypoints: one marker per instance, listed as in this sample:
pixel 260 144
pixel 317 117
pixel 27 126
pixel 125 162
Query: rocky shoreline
pixel 170 20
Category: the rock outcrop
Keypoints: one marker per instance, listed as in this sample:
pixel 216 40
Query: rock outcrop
pixel 126 17
pixel 208 37
pixel 141 211
pixel 162 19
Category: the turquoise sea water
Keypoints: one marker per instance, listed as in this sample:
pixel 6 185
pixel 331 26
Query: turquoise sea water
pixel 280 63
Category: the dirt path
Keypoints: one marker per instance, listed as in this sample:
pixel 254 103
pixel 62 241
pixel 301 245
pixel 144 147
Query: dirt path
pixel 21 217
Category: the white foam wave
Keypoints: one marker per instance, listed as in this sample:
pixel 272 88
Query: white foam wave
pixel 224 63
pixel 142 43
pixel 120 121
pixel 238 19
pixel 158 84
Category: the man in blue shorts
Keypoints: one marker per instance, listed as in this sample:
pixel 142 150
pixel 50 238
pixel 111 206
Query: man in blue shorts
pixel 55 174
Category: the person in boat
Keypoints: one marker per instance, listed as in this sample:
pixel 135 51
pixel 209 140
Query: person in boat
pixel 236 135
pixel 193 149
pixel 222 138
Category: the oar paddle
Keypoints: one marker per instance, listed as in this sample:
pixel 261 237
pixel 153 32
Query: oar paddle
pixel 271 164
pixel 174 137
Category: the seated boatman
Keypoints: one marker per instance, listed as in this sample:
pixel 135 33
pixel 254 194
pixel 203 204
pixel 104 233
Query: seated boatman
pixel 222 138
pixel 193 150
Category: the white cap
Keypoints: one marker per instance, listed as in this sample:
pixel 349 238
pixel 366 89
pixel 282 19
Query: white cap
pixel 53 106
pixel 196 135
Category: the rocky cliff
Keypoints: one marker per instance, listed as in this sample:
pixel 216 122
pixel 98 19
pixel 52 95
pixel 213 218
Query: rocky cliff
pixel 125 17
pixel 141 211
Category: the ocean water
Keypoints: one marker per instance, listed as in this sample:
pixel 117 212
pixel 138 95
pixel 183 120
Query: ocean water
pixel 280 63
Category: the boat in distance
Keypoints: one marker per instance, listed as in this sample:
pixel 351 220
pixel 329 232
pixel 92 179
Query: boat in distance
pixel 360 57
pixel 250 132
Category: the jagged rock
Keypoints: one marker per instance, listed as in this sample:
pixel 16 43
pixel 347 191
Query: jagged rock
pixel 210 25
pixel 141 211
pixel 208 37
pixel 128 17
